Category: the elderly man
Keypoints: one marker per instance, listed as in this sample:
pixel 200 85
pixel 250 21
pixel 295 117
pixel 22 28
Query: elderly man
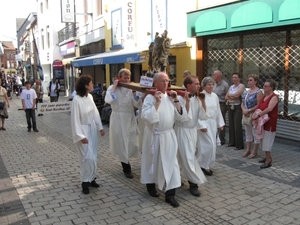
pixel 220 89
pixel 186 132
pixel 159 153
pixel 123 138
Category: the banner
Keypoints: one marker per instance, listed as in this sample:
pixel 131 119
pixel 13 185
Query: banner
pixel 38 62
pixel 53 107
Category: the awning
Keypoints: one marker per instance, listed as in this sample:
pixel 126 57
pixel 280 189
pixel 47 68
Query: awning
pixel 113 57
pixel 67 60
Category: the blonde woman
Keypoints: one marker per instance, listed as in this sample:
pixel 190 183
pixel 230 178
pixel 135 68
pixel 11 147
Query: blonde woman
pixel 251 100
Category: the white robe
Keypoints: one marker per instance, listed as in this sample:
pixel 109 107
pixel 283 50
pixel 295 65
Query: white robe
pixel 207 141
pixel 159 153
pixel 186 132
pixel 123 130
pixel 86 123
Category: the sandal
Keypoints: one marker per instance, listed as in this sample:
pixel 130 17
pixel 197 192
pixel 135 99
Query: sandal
pixel 2 128
pixel 246 154
pixel 252 156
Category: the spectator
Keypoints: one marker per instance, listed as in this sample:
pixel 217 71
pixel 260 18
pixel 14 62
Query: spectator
pixel 233 98
pixel 220 89
pixel 185 74
pixel 251 100
pixel 53 90
pixel 268 105
pixel 28 98
pixel 4 105
pixel 208 129
pixel 38 87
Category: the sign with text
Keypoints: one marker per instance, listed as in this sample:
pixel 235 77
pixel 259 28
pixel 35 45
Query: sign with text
pixel 67 11
pixel 53 107
pixel 146 81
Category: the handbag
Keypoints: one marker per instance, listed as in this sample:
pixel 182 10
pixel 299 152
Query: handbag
pixel 2 105
pixel 247 120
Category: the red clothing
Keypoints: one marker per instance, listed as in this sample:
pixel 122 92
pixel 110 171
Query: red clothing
pixel 273 115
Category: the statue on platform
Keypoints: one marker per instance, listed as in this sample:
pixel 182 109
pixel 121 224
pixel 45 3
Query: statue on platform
pixel 159 52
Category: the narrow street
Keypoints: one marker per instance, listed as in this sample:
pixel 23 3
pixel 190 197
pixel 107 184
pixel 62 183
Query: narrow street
pixel 39 183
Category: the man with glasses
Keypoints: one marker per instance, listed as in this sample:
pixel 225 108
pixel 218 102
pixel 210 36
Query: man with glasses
pixel 159 163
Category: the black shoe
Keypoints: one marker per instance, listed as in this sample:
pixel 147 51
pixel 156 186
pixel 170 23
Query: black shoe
pixel 195 192
pixel 35 130
pixel 172 202
pixel 208 173
pixel 262 160
pixel 94 184
pixel 85 187
pixel 266 165
pixel 29 130
pixel 153 193
pixel 129 175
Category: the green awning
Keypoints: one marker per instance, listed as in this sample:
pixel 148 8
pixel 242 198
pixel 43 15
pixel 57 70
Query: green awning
pixel 242 16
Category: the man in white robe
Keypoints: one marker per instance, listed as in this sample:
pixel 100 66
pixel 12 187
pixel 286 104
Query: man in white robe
pixel 186 131
pixel 208 129
pixel 123 130
pixel 86 124
pixel 159 153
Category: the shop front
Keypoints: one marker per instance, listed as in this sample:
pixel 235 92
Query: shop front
pixel 260 37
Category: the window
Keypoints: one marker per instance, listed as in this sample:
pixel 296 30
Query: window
pixel 47 6
pixel 48 37
pixel 42 37
pixel 41 7
pixel 99 7
pixel 85 8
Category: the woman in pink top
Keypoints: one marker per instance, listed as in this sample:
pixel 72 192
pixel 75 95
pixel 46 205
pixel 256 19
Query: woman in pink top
pixel 268 105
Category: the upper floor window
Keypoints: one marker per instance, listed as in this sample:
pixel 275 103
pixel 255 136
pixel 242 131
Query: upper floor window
pixel 99 7
pixel 43 39
pixel 41 7
pixel 85 8
pixel 48 37
pixel 47 6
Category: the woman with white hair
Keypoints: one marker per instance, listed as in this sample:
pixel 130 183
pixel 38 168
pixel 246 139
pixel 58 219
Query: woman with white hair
pixel 207 130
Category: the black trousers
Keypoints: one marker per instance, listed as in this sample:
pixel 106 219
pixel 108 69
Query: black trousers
pixel 30 116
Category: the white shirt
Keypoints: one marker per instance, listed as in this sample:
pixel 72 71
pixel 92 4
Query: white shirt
pixel 28 96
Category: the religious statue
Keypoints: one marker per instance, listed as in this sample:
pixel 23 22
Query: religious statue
pixel 159 52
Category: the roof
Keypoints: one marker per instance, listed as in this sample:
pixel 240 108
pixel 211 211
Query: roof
pixel 8 45
pixel 20 22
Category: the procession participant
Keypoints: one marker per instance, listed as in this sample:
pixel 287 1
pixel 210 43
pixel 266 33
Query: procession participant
pixel 186 133
pixel 159 153
pixel 85 123
pixel 123 138
pixel 208 129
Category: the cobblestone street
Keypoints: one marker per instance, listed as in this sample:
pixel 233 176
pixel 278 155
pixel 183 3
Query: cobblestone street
pixel 39 183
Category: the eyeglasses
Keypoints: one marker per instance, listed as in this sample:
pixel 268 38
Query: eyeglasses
pixel 250 80
pixel 266 86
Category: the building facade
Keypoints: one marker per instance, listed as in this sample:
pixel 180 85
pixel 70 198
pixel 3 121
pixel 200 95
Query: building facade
pixel 256 36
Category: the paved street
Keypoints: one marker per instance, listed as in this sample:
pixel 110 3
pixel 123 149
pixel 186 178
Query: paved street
pixel 39 183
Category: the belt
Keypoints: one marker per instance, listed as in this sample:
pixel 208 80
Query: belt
pixel 155 132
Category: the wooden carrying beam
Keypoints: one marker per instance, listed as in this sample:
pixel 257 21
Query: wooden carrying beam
pixel 141 88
